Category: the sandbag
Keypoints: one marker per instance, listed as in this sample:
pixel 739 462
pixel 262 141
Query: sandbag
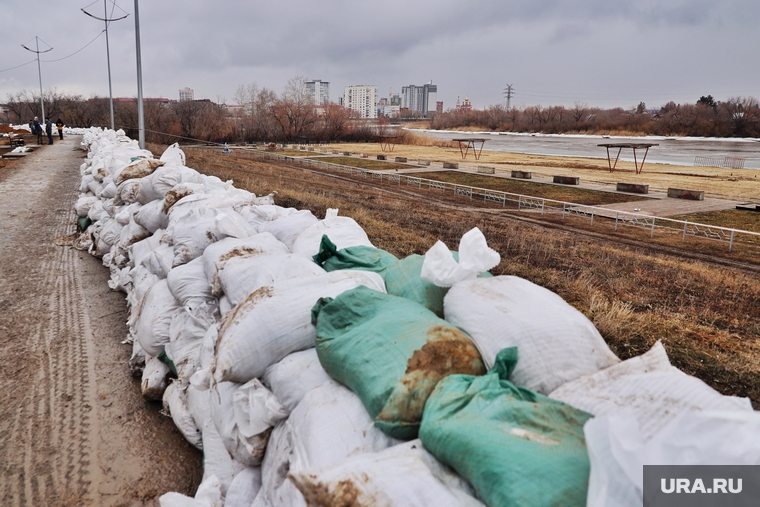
pixel 194 231
pixel 275 321
pixel 557 343
pixel 188 282
pixel 513 445
pixel 391 352
pixel 329 425
pixel 343 231
pixel 241 276
pixel 156 185
pixel 244 488
pixel 244 415
pixel 648 388
pixel 187 329
pixel 288 228
pixel 175 405
pixel 618 450
pixel 152 217
pixel 154 379
pixel 151 318
pixel 209 494
pixel 361 257
pixel 216 255
pixel 294 376
pixel 405 475
pixel 138 169
pixel 216 460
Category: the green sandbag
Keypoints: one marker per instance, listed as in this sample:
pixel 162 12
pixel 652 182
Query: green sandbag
pixel 391 352
pixel 403 279
pixel 362 257
pixel 515 446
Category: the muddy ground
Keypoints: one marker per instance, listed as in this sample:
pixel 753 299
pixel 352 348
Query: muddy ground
pixel 74 427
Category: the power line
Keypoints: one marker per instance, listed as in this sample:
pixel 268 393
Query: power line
pixel 17 66
pixel 78 50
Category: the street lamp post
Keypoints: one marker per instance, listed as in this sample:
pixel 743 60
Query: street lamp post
pixel 108 52
pixel 140 117
pixel 39 71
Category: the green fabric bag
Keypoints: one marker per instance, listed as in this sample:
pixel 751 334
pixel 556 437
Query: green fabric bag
pixel 403 279
pixel 515 446
pixel 391 352
pixel 362 257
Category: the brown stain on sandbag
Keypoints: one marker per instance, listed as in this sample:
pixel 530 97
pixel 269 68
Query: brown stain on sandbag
pixel 318 494
pixel 240 251
pixel 447 351
pixel 238 313
pixel 172 196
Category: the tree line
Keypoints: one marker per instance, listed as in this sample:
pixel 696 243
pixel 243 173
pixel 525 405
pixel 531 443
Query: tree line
pixel 736 117
pixel 291 116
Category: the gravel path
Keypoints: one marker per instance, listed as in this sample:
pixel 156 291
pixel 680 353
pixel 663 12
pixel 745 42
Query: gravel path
pixel 74 428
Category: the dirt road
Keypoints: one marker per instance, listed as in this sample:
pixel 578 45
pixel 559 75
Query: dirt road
pixel 74 428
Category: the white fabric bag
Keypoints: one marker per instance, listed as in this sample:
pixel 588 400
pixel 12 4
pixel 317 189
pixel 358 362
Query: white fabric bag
pixel 555 342
pixel 294 376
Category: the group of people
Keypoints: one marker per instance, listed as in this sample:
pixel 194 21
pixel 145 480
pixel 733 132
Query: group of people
pixel 36 128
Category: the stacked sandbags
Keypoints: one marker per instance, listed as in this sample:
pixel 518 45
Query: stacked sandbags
pixel 269 337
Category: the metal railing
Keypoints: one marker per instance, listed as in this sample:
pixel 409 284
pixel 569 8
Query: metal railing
pixel 722 162
pixel 524 202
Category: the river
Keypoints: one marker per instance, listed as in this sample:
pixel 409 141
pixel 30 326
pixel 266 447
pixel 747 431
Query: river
pixel 671 150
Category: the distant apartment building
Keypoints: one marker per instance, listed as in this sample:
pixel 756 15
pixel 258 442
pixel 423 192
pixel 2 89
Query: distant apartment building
pixel 186 94
pixel 387 109
pixel 319 91
pixel 420 98
pixel 362 99
pixel 439 106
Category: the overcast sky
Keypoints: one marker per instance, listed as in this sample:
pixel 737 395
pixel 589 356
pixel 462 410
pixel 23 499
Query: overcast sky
pixel 605 53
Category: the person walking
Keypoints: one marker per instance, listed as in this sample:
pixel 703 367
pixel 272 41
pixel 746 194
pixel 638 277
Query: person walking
pixel 38 130
pixel 49 130
pixel 59 124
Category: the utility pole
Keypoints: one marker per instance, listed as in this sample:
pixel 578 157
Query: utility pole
pixel 140 116
pixel 508 92
pixel 108 51
pixel 39 71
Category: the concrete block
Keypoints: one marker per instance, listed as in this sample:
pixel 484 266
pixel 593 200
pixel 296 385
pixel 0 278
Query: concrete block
pixel 484 169
pixel 524 175
pixel 382 157
pixel 633 188
pixel 451 165
pixel 567 180
pixel 423 162
pixel 681 193
pixel 401 159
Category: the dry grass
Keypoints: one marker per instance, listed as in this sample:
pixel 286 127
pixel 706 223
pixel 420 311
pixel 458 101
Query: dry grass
pixel 364 163
pixel 738 184
pixel 707 317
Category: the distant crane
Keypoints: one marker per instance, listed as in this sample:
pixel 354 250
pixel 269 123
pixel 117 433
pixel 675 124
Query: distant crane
pixel 508 92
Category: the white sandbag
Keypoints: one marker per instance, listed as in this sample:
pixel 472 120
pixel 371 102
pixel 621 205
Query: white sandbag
pixel 342 231
pixel 618 451
pixel 84 185
pixel 120 278
pixel 241 276
pixel 475 257
pixel 128 191
pixel 209 494
pixel 154 379
pixel 175 405
pixel 556 343
pixel 108 191
pixel 142 280
pixel 294 376
pixel 125 213
pixel 152 217
pixel 189 281
pixel 244 488
pixel 162 180
pixel 193 232
pixel 159 261
pixel 139 168
pixel 217 254
pixel 216 459
pixel 257 215
pixel 327 427
pixel 287 229
pixel 83 204
pixel 173 155
pixel 186 332
pixel 97 212
pixel 151 319
pixel 138 359
pixel 109 234
pixel 244 415
pixel 140 250
pixel 275 321
pixel 647 387
pixel 132 233
pixel 405 475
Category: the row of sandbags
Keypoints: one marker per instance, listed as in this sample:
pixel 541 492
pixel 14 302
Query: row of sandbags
pixel 303 356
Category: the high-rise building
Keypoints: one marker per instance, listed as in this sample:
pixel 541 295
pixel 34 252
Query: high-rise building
pixel 186 94
pixel 420 98
pixel 319 91
pixel 361 98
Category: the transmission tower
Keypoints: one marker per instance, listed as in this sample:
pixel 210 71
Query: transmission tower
pixel 508 92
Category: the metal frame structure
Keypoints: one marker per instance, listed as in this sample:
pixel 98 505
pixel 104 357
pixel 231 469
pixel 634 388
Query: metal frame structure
pixel 387 143
pixel 466 144
pixel 634 147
